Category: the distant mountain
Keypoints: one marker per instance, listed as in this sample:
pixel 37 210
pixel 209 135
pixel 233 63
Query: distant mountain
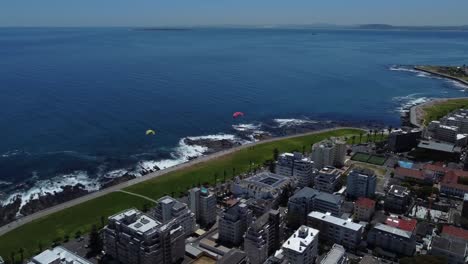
pixel 391 27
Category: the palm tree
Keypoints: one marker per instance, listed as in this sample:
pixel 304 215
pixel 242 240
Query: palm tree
pixel 375 135
pixel 233 172
pixel 368 136
pixel 353 139
pixel 215 178
pixel 21 252
pixel 303 150
pixel 360 137
pixel 12 256
pixel 224 178
pixel 381 134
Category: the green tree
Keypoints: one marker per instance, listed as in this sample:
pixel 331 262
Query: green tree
pixel 21 252
pixel 275 154
pixel 95 242
pixel 353 140
pixel 360 137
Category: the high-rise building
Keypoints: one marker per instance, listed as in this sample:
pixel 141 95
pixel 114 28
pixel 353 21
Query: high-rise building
pixel 336 230
pixel 168 209
pixel 361 183
pixel 329 152
pixel 233 223
pixel 403 140
pixel 302 246
pixel 132 237
pixel 263 237
pixel 328 180
pixel 307 200
pixel 203 205
pixel 57 255
pixel 298 166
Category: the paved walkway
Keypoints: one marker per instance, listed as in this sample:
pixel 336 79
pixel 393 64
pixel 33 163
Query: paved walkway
pixel 24 220
pixel 138 195
pixel 417 112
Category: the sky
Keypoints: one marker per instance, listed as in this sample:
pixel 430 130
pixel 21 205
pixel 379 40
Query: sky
pixel 230 12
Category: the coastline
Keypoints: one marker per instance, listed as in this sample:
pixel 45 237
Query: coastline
pixel 29 218
pixel 417 112
pixel 419 68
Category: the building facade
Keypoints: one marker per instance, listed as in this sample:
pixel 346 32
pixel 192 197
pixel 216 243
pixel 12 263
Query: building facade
pixel 329 152
pixel 336 230
pixel 203 205
pixel 392 239
pixel 132 237
pixel 364 208
pixel 397 199
pixel 361 183
pixel 233 223
pixel 302 246
pixel 328 180
pixel 307 200
pixel 298 166
pixel 168 209
pixel 263 237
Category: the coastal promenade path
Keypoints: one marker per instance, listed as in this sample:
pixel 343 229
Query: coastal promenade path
pixel 138 195
pixel 29 218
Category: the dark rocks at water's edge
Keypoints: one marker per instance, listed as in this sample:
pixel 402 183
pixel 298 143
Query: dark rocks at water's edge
pixel 51 199
pixel 212 145
pixel 115 181
pixel 8 212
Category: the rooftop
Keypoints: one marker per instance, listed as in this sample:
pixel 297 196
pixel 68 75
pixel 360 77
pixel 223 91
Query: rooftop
pixel 455 232
pixel 333 256
pixel 267 179
pixel 58 255
pixel 404 224
pixel 365 202
pixel 335 220
pixel 398 190
pixel 454 247
pixel 136 220
pixel 308 193
pixel 301 239
pixel 404 172
pixel 438 146
pixel 393 230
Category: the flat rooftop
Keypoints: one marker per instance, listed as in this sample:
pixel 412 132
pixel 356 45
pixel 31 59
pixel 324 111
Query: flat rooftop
pixel 393 230
pixel 333 256
pixel 348 224
pixel 301 239
pixel 438 146
pixel 136 220
pixel 268 179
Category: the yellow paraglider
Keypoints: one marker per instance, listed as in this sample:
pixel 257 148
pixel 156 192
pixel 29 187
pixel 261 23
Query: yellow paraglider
pixel 150 132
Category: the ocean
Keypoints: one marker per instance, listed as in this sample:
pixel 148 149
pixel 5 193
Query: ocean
pixel 76 102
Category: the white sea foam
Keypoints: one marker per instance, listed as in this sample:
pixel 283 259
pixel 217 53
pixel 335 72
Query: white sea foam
pixel 246 127
pixel 403 68
pixel 115 174
pixel 52 185
pixel 405 102
pixel 288 122
pixel 458 85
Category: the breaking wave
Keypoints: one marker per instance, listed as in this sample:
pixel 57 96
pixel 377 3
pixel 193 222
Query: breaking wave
pixel 290 122
pixel 406 102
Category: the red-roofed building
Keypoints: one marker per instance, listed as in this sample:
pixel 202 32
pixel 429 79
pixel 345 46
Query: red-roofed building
pixel 434 171
pixel 364 209
pixel 450 183
pixel 409 174
pixel 455 233
pixel 401 223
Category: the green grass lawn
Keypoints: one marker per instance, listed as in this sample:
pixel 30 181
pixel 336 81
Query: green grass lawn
pixel 363 157
pixel 377 160
pixel 83 216
pixel 66 222
pixel 439 110
pixel 180 181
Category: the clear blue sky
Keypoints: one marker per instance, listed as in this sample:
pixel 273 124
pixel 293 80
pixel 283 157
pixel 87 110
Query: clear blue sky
pixel 222 12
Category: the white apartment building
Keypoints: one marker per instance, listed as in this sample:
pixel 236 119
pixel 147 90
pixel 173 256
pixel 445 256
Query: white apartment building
pixel 297 166
pixel 336 230
pixel 329 152
pixel 302 246
pixel 57 255
pixel 264 185
pixel 336 255
pixel 203 205
pixel 132 237
pixel 263 237
pixel 168 209
pixel 233 223
pixel 327 180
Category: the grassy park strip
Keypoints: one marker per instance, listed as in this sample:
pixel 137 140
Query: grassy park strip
pixel 41 233
pixel 439 109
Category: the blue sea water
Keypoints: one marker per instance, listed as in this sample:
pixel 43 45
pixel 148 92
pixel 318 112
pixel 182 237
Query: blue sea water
pixel 76 102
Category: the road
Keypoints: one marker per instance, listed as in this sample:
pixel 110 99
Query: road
pixel 417 112
pixel 24 220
